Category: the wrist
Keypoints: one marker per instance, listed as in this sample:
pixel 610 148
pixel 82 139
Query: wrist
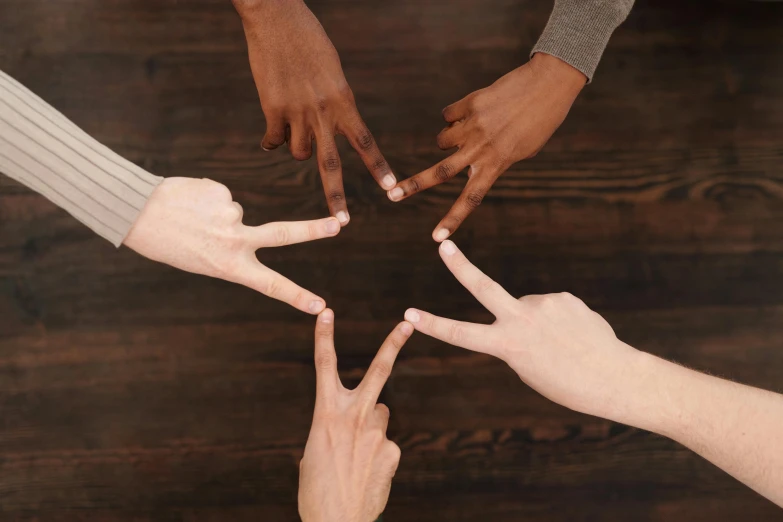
pixel 559 72
pixel 648 401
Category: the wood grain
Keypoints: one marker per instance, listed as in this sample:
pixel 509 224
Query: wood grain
pixel 133 392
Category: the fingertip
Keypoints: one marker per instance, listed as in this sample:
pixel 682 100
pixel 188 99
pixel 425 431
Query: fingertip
pixel 395 194
pixel 389 181
pixel 406 328
pixel 316 306
pixel 343 217
pixel 326 317
pixel 332 226
pixel 440 234
pixel 412 315
pixel 448 248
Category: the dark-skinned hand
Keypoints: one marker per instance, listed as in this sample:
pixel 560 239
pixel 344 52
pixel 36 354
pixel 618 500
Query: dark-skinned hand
pixel 304 94
pixel 495 127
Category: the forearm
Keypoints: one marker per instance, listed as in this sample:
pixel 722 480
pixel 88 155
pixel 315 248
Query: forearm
pixel 579 30
pixel 738 428
pixel 43 150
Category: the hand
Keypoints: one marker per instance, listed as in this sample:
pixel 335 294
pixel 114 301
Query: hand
pixel 348 464
pixel 495 127
pixel 304 94
pixel 556 344
pixel 193 225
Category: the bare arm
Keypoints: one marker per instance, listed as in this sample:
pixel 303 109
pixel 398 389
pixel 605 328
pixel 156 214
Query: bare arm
pixel 570 354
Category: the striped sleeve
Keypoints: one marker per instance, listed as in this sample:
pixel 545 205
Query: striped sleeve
pixel 45 151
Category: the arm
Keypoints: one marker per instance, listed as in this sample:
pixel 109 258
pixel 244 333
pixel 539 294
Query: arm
pixel 512 119
pixel 570 354
pixel 190 224
pixel 304 94
pixel 348 464
pixel 43 150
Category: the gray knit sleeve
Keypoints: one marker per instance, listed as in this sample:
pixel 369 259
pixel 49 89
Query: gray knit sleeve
pixel 578 31
pixel 45 151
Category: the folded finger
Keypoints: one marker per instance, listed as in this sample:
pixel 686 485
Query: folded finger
pixel 457 110
pixel 381 366
pixel 484 289
pixel 301 142
pixel 275 132
pixel 284 233
pixel 471 336
pixel 452 136
pixel 443 171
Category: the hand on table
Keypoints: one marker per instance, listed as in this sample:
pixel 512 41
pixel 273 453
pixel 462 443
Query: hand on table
pixel 348 464
pixel 304 94
pixel 193 225
pixel 555 343
pixel 495 127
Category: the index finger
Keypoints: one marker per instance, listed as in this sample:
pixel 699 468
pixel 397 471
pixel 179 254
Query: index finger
pixel 381 366
pixel 441 172
pixel 364 144
pixel 484 289
pixel 471 197
pixel 253 274
pixel 332 176
pixel 326 376
pixel 284 233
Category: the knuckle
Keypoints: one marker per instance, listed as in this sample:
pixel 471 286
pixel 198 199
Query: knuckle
pixel 380 165
pixel 381 369
pixel 282 235
pixel 312 231
pixel 444 172
pixel 275 136
pixel 394 451
pixel 484 285
pixel 364 139
pixel 331 164
pixel 325 361
pixel 273 287
pixel 473 200
pixel 336 197
pixel 322 105
pixel 383 409
pixel 456 334
pixel 413 186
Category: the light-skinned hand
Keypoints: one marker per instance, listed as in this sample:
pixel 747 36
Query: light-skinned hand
pixel 555 343
pixel 304 94
pixel 495 127
pixel 194 225
pixel 348 464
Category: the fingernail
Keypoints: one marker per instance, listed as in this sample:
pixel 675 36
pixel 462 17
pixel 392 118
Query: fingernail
pixel 406 328
pixel 332 226
pixel 342 217
pixel 440 234
pixel 412 316
pixel 389 181
pixel 316 306
pixel 396 194
pixel 448 247
pixel 326 317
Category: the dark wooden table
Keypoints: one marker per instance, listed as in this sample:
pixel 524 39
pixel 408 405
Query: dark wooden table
pixel 131 391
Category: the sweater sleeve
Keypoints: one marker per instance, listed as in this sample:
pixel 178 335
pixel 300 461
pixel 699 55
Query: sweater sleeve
pixel 578 31
pixel 45 151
